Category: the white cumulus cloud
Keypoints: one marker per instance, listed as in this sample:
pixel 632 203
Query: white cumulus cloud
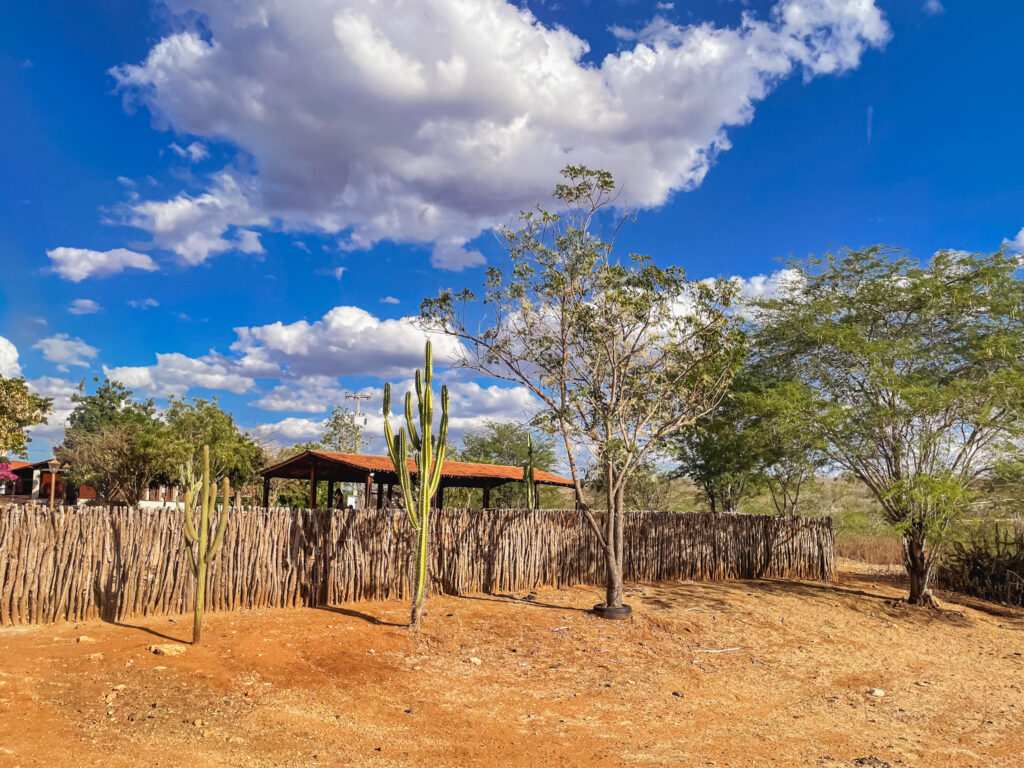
pixel 9 359
pixel 66 351
pixel 429 122
pixel 84 307
pixel 175 374
pixel 346 341
pixel 76 264
pixel 61 391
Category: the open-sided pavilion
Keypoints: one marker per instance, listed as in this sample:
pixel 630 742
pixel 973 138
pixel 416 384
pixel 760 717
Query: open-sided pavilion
pixel 329 467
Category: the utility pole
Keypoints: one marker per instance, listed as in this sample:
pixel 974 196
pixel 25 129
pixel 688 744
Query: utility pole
pixel 359 412
pixel 359 401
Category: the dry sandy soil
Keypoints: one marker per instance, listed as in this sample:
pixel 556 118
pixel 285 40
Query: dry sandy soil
pixel 731 674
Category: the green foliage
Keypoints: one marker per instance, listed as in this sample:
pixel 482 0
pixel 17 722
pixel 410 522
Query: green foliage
pixel 502 442
pixel 200 507
pixel 915 377
pixel 721 452
pixel 428 456
pixel 621 355
pixel 19 410
pixel 341 432
pixel 200 423
pixel 111 405
pixel 117 445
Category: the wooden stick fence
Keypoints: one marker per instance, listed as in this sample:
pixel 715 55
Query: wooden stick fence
pixel 79 564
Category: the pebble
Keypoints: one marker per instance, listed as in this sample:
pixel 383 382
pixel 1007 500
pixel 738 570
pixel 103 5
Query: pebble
pixel 476 661
pixel 168 649
pixel 876 692
pixel 85 639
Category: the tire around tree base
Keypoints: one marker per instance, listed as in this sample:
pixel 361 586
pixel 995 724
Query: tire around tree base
pixel 618 612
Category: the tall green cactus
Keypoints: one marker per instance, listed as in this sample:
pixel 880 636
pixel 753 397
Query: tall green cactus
pixel 528 475
pixel 428 454
pixel 201 501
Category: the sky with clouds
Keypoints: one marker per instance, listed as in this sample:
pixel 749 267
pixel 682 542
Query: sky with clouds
pixel 248 200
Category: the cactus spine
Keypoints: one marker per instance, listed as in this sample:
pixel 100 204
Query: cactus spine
pixel 428 454
pixel 201 502
pixel 528 475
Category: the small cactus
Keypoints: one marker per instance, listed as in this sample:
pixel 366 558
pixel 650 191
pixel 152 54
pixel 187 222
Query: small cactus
pixel 429 456
pixel 201 503
pixel 528 475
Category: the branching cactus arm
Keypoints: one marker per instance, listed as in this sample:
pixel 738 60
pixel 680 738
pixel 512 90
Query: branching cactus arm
pixel 429 457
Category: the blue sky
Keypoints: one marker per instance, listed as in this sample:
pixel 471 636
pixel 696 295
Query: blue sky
pixel 181 182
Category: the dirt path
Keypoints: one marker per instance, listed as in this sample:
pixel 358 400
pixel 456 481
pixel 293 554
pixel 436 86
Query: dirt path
pixel 733 674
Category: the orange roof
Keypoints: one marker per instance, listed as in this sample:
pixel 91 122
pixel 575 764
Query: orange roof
pixel 353 467
pixel 18 464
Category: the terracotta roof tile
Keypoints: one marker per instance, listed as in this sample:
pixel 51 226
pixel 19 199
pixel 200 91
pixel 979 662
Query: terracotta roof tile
pixel 450 469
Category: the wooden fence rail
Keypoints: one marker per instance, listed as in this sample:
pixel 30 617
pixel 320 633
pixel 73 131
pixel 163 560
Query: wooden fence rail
pixel 78 564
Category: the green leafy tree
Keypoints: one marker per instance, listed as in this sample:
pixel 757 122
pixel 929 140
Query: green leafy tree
pixel 342 433
pixel 505 442
pixel 19 410
pixel 721 452
pixel 117 445
pixel 789 447
pixel 620 355
pixel 198 422
pixel 915 374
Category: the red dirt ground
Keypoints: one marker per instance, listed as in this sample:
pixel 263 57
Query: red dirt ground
pixel 348 686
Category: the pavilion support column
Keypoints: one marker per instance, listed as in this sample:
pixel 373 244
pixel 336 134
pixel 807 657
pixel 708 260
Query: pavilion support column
pixel 380 494
pixel 367 491
pixel 330 494
pixel 266 493
pixel 440 497
pixel 391 493
pixel 536 495
pixel 312 485
pixel 487 496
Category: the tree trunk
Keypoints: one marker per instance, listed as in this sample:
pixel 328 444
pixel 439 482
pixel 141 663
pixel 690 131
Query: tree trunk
pixel 919 569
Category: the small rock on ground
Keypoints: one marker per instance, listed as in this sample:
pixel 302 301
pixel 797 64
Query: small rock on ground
pixel 168 649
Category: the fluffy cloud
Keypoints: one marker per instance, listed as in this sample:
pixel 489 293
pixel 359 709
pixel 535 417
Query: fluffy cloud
pixel 471 405
pixel 8 359
pixel 66 351
pixel 175 374
pixel 290 430
pixel 195 151
pixel 933 7
pixel 1017 244
pixel 777 284
pixel 196 226
pixel 427 122
pixel 143 303
pixel 61 391
pixel 346 341
pixel 76 264
pixel 84 307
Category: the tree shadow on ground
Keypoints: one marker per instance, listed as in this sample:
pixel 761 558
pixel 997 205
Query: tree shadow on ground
pixel 359 615
pixel 149 631
pixel 719 596
pixel 512 600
